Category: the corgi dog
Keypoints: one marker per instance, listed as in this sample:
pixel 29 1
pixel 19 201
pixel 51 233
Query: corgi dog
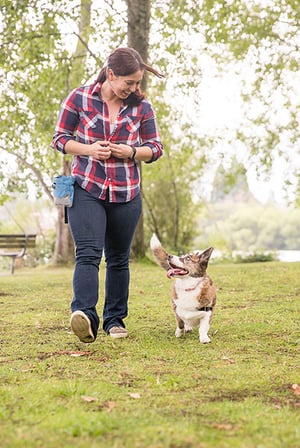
pixel 193 294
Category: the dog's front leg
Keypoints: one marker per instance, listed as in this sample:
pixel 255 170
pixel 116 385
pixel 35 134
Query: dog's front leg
pixel 180 326
pixel 188 328
pixel 204 327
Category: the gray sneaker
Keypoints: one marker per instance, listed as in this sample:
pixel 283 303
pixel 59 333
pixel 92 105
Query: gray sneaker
pixel 81 326
pixel 118 332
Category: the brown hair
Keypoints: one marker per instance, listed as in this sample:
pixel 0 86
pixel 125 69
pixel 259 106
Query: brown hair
pixel 123 62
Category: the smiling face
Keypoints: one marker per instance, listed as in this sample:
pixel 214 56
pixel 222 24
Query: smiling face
pixel 123 86
pixel 191 265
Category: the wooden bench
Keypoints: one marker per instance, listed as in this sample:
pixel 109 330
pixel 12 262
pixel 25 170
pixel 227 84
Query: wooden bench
pixel 15 246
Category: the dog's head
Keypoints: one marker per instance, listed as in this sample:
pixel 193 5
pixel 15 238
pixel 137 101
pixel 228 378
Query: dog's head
pixel 189 265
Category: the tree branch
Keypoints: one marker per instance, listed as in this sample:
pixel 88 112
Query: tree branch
pixel 35 170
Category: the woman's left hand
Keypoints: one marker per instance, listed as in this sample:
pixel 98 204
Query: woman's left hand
pixel 121 151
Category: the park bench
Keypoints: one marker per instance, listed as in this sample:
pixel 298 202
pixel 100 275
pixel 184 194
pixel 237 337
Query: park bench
pixel 15 246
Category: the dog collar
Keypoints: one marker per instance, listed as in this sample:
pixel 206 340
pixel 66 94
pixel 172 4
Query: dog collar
pixel 194 287
pixel 205 308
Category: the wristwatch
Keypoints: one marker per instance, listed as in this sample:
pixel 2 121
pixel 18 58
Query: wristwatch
pixel 133 153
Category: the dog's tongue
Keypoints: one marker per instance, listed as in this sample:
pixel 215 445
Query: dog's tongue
pixel 175 271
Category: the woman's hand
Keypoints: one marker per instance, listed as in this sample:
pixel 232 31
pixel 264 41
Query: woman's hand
pixel 121 150
pixel 100 150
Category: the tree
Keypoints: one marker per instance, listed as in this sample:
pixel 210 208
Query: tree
pixel 264 39
pixel 35 69
pixel 63 251
pixel 38 71
pixel 138 14
pixel 37 58
pixel 233 225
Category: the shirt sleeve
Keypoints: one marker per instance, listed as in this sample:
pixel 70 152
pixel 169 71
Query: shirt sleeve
pixel 149 133
pixel 67 123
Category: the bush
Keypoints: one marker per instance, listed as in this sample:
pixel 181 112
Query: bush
pixel 255 257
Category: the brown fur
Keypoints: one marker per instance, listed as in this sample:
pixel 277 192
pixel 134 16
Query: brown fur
pixel 192 290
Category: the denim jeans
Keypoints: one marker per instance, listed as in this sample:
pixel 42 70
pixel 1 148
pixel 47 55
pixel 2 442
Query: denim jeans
pixel 98 226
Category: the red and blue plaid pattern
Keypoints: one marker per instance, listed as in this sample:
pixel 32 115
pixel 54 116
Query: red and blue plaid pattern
pixel 84 116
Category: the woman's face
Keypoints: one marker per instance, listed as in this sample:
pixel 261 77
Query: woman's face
pixel 123 86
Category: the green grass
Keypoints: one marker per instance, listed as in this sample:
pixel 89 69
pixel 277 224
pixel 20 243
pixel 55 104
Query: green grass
pixel 152 390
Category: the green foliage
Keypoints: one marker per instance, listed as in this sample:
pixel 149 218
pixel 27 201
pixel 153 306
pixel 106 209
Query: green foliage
pixel 255 257
pixel 38 66
pixel 35 78
pixel 243 24
pixel 152 390
pixel 232 226
pixel 168 209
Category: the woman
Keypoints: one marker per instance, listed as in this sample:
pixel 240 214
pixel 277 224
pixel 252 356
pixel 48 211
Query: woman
pixel 108 127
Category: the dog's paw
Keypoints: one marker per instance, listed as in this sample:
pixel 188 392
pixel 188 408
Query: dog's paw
pixel 188 328
pixel 204 339
pixel 154 242
pixel 179 332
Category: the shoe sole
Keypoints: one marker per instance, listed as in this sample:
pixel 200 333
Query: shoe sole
pixel 118 335
pixel 81 327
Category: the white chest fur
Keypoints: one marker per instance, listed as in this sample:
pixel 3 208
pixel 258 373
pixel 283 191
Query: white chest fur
pixel 187 291
pixel 187 303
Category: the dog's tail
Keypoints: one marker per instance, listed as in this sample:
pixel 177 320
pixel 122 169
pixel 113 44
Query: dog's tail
pixel 160 255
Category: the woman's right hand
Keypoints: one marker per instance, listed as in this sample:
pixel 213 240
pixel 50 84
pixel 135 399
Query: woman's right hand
pixel 100 150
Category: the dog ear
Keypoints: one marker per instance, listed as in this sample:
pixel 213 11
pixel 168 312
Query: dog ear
pixel 205 255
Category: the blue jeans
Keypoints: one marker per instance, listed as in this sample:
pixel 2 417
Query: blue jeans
pixel 98 226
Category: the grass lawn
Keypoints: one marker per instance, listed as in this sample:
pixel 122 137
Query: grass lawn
pixel 152 390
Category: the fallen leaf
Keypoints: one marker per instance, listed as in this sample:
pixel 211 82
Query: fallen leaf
pixel 224 426
pixel 64 352
pixel 109 405
pixel 229 360
pixel 295 389
pixel 104 358
pixel 135 395
pixel 74 353
pixel 89 399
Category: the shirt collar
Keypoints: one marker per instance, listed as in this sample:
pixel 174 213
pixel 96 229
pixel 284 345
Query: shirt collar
pixel 96 90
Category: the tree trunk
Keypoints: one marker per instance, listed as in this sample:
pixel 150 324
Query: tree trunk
pixel 138 15
pixel 64 248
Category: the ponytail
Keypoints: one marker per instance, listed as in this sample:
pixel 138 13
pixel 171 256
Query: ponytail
pixel 153 70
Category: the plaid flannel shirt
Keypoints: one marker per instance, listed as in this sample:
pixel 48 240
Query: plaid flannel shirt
pixel 84 117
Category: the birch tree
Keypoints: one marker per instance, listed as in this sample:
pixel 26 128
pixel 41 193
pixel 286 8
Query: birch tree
pixel 46 48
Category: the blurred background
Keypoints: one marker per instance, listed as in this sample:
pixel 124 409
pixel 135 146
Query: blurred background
pixel 228 113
